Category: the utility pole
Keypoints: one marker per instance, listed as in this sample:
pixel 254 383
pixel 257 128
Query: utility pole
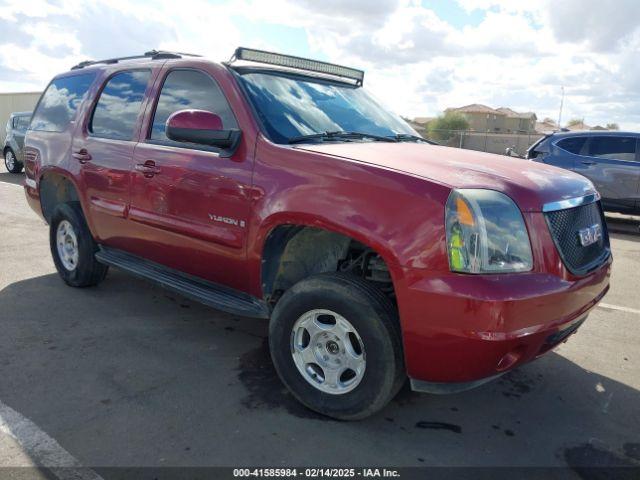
pixel 561 103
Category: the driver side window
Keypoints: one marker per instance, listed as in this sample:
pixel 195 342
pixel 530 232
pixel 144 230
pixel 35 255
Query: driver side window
pixel 189 89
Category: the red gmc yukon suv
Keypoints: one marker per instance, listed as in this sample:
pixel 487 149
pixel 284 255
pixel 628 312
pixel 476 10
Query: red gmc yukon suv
pixel 275 187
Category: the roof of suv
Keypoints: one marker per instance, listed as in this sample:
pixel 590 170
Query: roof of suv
pixel 247 58
pixel 150 55
pixel 592 133
pixel 20 114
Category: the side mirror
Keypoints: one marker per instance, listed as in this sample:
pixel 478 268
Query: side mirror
pixel 204 128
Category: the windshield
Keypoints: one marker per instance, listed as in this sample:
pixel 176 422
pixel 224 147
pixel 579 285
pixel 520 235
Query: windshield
pixel 290 107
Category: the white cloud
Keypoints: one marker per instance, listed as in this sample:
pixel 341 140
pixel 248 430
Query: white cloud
pixel 519 54
pixel 602 25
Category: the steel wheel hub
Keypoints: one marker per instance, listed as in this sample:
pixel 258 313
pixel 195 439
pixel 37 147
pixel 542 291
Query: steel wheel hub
pixel 67 243
pixel 10 160
pixel 328 351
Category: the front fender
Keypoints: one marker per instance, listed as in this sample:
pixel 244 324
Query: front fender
pixel 399 216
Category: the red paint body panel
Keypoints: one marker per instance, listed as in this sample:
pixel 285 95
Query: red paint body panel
pixel 457 327
pixel 170 213
pixel 198 119
pixel 529 186
pixel 210 216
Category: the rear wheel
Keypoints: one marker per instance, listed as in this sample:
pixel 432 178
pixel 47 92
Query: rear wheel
pixel 73 247
pixel 335 342
pixel 11 163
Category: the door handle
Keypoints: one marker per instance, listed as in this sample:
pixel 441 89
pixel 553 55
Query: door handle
pixel 82 155
pixel 587 162
pixel 148 168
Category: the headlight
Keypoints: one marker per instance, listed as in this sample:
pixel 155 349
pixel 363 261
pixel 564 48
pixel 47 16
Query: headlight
pixel 486 233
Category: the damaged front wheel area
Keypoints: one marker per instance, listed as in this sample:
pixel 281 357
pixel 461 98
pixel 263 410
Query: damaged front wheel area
pixel 335 342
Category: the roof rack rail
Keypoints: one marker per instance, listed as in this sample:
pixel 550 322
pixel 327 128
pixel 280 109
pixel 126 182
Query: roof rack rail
pixel 298 63
pixel 152 54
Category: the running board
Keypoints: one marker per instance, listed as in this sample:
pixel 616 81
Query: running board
pixel 216 296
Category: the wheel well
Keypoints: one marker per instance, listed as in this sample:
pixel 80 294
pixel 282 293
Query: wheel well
pixel 54 190
pixel 294 252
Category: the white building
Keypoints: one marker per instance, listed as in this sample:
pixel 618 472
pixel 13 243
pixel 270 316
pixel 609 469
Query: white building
pixel 15 102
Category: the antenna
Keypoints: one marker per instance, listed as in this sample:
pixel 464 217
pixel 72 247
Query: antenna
pixel 561 103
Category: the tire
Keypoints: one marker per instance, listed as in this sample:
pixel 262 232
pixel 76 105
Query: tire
pixel 75 260
pixel 11 163
pixel 377 332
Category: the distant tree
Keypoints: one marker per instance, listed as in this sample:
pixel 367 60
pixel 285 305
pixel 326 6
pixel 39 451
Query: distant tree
pixel 574 121
pixel 443 128
pixel 548 120
pixel 612 126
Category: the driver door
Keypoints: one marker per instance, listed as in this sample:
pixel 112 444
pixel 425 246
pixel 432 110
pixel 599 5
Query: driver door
pixel 189 205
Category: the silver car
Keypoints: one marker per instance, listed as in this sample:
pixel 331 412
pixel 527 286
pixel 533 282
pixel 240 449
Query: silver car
pixel 610 159
pixel 14 142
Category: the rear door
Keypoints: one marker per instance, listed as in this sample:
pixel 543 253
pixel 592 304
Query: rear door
pixel 612 163
pixel 103 147
pixel 190 205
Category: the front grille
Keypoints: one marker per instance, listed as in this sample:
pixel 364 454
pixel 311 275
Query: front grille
pixel 564 226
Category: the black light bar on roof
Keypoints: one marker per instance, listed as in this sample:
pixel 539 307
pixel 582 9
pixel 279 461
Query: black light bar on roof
pixel 260 56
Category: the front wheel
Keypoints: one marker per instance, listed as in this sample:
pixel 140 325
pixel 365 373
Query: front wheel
pixel 335 342
pixel 11 163
pixel 73 247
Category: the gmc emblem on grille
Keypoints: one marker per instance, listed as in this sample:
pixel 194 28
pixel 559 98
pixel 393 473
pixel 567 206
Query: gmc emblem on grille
pixel 590 235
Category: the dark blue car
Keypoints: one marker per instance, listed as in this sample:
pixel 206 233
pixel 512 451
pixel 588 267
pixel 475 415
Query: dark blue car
pixel 610 159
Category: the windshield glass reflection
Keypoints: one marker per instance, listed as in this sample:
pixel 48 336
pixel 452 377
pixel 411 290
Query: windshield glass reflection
pixel 292 106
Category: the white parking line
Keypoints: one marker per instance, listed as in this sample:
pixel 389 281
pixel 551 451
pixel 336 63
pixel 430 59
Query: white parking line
pixel 12 185
pixel 619 308
pixel 43 450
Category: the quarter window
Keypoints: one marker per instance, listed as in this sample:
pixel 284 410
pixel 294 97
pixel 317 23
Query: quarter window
pixel 572 145
pixel 59 103
pixel 22 123
pixel 614 148
pixel 119 105
pixel 189 89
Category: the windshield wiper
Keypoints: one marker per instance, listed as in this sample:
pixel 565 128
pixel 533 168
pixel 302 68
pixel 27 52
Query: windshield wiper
pixel 407 137
pixel 340 135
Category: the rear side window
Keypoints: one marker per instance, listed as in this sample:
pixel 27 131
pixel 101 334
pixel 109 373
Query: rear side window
pixel 614 148
pixel 573 144
pixel 59 103
pixel 190 89
pixel 119 105
pixel 22 123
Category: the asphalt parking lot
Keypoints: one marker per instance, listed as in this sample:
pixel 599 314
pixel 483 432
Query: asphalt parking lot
pixel 127 374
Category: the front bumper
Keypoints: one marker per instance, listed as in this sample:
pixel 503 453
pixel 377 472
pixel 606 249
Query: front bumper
pixel 466 329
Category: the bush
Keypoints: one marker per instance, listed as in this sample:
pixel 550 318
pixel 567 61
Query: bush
pixel 443 128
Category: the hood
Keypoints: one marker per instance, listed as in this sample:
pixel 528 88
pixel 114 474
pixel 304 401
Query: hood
pixel 529 184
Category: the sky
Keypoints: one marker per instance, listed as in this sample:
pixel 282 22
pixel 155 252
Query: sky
pixel 420 56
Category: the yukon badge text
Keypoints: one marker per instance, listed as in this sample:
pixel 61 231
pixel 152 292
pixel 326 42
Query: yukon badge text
pixel 227 220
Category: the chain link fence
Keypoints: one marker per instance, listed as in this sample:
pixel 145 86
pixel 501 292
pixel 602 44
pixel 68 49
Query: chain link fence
pixel 490 142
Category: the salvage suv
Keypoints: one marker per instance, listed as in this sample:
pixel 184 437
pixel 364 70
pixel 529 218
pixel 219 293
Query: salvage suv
pixel 275 187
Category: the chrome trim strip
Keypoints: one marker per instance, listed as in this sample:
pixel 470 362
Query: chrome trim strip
pixel 570 202
pixel 30 183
